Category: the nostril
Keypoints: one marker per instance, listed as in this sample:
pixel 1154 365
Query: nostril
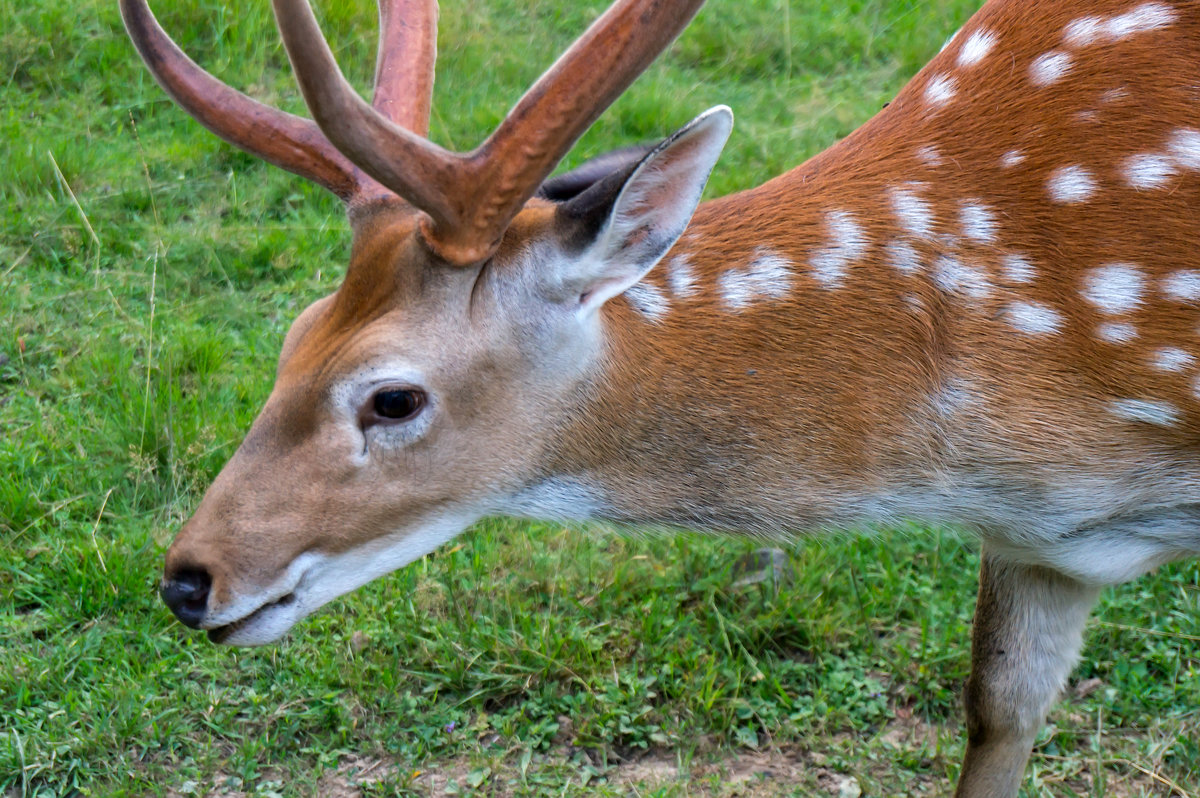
pixel 186 593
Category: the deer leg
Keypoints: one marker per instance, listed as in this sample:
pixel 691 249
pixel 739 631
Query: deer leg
pixel 1028 631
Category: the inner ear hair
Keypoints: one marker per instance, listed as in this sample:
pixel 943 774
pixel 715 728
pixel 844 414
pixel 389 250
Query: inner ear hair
pixel 584 215
pixel 568 185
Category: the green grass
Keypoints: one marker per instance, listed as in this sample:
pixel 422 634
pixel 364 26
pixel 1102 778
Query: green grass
pixel 147 275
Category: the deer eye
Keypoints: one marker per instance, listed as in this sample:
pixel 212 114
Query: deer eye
pixel 398 404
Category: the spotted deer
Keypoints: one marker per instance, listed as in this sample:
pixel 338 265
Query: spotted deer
pixel 980 309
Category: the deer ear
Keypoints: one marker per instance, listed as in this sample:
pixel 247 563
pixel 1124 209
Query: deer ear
pixel 561 188
pixel 623 224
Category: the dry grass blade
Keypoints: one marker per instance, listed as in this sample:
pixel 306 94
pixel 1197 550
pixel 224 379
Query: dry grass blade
pixel 1170 784
pixel 74 200
pixel 1145 631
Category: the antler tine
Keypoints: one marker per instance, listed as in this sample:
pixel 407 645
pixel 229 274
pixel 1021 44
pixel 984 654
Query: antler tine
pixel 404 69
pixel 471 198
pixel 418 170
pixel 568 98
pixel 288 141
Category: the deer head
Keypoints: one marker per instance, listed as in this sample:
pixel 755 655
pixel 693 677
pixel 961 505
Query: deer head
pixel 423 393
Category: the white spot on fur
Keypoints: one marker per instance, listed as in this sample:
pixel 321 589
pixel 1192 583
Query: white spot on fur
pixel 976 47
pixel 955 277
pixel 1182 286
pixel 903 257
pixel 1089 30
pixel 771 273
pixel 1115 288
pixel 735 290
pixel 1146 17
pixel 1116 332
pixel 767 276
pixel 1171 358
pixel 681 278
pixel 1011 158
pixel 929 155
pixel 940 90
pixel 1083 31
pixel 1184 146
pixel 1114 95
pixel 1049 68
pixel 1146 171
pixel 954 396
pixel 1148 411
pixel 978 224
pixel 1017 269
pixel 848 244
pixel 648 300
pixel 1070 184
pixel 1033 318
pixel 913 213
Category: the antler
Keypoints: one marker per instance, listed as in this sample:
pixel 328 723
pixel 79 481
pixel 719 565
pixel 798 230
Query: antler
pixel 470 198
pixel 288 141
pixel 567 99
pixel 404 67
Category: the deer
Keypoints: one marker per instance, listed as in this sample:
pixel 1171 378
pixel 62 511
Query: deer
pixel 976 309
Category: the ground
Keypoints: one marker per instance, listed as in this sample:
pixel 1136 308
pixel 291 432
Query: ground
pixel 783 771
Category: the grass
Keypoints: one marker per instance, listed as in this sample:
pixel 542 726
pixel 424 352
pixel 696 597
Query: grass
pixel 147 275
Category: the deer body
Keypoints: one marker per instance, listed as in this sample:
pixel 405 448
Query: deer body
pixel 903 328
pixel 981 308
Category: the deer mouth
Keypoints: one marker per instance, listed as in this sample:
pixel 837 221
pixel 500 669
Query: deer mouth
pixel 313 579
pixel 264 619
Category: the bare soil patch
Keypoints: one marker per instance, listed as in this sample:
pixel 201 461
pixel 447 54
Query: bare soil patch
pixel 785 771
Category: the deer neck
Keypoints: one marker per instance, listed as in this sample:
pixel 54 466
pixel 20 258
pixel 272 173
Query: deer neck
pixel 734 391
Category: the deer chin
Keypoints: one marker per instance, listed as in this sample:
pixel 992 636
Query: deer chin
pixel 314 579
pixel 264 625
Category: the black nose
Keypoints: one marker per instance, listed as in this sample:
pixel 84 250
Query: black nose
pixel 186 593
